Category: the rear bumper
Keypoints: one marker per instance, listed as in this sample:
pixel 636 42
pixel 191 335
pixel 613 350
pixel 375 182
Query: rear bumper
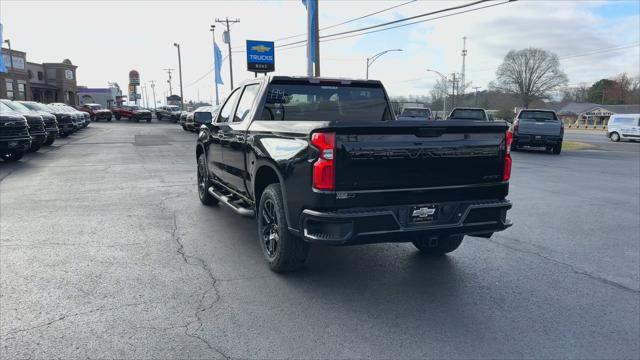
pixel 537 140
pixel 395 223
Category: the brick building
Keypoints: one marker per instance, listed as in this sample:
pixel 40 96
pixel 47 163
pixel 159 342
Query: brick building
pixel 46 82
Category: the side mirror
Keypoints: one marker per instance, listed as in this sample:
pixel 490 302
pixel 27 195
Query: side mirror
pixel 202 117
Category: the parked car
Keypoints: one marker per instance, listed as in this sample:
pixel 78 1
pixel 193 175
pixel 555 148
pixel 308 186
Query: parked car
pixel 133 112
pixel 188 125
pixel 415 113
pixel 465 113
pixel 37 129
pixel 320 160
pixel 65 122
pixel 169 112
pixel 77 116
pixel 538 128
pixel 183 118
pixel 50 123
pixel 15 140
pixel 96 112
pixel 624 127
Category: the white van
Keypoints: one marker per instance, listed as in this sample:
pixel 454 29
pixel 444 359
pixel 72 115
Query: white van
pixel 624 126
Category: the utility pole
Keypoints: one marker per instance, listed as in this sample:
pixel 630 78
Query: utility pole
pixel 476 89
pixel 453 90
pixel 227 38
pixel 215 66
pixel 180 75
pixel 464 57
pixel 169 81
pixel 146 95
pixel 153 90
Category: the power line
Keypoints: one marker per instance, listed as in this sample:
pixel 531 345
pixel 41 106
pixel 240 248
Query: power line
pixel 350 21
pixel 391 22
pixel 403 25
pixel 303 42
pixel 588 53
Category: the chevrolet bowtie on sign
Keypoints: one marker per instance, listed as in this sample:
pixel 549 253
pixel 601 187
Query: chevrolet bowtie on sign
pixel 260 56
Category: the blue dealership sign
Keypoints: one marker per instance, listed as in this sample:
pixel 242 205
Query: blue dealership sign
pixel 260 56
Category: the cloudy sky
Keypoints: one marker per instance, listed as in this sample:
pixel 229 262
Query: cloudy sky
pixel 106 39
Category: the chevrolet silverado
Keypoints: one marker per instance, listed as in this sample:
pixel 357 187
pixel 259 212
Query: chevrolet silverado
pixel 319 160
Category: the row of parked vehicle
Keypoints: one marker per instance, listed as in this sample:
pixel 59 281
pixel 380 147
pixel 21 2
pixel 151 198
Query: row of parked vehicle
pixel 26 126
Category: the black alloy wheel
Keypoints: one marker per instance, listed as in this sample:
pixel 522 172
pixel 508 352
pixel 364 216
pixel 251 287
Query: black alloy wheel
pixel 269 229
pixel 203 182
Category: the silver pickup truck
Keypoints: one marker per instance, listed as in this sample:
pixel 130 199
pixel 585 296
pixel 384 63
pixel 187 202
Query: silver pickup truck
pixel 538 128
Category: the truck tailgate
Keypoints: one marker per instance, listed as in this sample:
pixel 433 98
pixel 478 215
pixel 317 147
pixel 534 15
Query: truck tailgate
pixel 411 156
pixel 539 127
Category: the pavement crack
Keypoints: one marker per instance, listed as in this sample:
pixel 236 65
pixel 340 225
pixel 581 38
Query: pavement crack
pixel 67 316
pixel 205 303
pixel 572 267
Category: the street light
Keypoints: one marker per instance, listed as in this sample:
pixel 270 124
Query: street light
pixel 376 56
pixel 180 73
pixel 444 104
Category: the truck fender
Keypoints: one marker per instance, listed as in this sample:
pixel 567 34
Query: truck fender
pixel 261 164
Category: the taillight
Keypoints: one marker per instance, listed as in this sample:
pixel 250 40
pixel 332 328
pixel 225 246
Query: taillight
pixel 324 174
pixel 506 175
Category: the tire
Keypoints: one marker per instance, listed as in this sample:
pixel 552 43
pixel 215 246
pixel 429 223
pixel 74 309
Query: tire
pixel 35 147
pixel 439 246
pixel 184 128
pixel 148 120
pixel 159 117
pixel 282 250
pixel 117 117
pixel 13 156
pixel 204 183
pixel 614 136
pixel 49 141
pixel 64 135
pixel 557 149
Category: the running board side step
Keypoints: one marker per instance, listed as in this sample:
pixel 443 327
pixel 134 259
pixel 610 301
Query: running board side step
pixel 229 202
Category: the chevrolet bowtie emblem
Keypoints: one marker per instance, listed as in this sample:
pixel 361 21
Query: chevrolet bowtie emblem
pixel 260 48
pixel 423 212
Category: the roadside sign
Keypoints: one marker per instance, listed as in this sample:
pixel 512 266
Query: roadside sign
pixel 134 77
pixel 260 56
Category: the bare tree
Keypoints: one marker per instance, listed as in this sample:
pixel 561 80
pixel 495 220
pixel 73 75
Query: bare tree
pixel 530 73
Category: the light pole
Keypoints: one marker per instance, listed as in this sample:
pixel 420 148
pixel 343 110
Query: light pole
pixel 375 57
pixel 444 79
pixel 153 90
pixel 180 74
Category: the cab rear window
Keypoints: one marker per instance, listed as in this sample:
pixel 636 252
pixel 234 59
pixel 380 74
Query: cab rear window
pixel 538 115
pixel 325 102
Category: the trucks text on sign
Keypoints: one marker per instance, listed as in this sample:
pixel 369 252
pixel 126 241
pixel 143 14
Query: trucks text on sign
pixel 260 56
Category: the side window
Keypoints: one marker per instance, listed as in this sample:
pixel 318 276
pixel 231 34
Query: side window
pixel 227 108
pixel 246 101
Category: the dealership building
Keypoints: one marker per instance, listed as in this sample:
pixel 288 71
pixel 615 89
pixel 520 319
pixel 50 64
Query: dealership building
pixel 45 82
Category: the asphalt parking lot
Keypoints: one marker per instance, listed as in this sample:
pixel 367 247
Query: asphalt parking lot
pixel 106 252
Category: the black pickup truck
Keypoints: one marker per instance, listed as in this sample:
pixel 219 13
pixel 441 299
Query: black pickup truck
pixel 320 160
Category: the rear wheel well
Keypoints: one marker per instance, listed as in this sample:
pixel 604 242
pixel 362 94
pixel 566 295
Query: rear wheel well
pixel 263 178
